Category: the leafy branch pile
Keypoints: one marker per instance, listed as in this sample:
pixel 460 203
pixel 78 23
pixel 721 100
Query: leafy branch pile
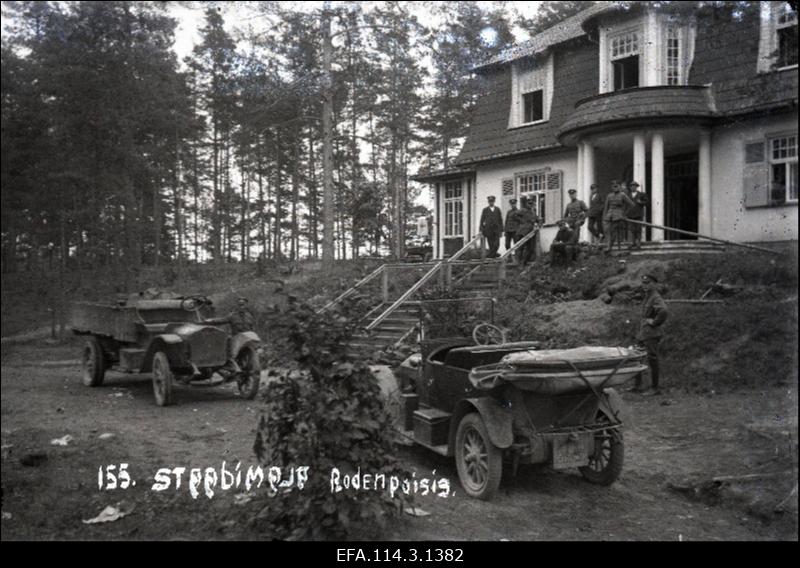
pixel 326 412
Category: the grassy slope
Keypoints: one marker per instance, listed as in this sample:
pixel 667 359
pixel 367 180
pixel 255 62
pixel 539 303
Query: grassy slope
pixel 749 340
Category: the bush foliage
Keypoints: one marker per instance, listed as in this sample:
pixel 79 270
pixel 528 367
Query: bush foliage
pixel 326 412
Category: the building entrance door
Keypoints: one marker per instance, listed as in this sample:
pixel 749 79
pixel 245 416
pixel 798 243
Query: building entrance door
pixel 680 196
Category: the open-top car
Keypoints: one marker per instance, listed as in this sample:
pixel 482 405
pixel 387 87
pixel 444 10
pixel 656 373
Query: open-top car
pixel 168 338
pixel 500 405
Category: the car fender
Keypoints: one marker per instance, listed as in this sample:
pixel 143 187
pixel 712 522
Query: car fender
pixel 242 339
pixel 612 406
pixel 173 347
pixel 498 421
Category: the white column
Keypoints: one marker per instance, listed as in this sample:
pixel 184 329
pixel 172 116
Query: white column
pixel 588 171
pixel 639 160
pixel 657 185
pixel 579 171
pixel 704 184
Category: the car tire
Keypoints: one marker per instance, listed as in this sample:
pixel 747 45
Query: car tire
pixel 251 367
pixel 478 460
pixel 94 363
pixel 605 465
pixel 162 379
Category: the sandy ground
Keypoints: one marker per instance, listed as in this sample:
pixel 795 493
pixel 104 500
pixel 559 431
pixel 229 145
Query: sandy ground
pixel 679 440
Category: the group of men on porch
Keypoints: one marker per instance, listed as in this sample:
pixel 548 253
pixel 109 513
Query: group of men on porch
pixel 607 221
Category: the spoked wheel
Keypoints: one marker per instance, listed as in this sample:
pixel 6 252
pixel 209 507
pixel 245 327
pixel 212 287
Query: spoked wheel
pixel 162 379
pixel 479 462
pixel 250 378
pixel 605 464
pixel 94 364
pixel 488 334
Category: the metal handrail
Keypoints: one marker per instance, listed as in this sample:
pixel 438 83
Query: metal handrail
pixel 408 293
pixel 465 248
pixel 520 242
pixel 371 276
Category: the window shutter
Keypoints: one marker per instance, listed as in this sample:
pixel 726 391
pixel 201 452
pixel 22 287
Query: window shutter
pixel 553 198
pixel 506 194
pixel 755 175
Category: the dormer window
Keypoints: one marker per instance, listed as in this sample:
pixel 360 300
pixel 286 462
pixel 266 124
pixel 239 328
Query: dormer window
pixel 531 91
pixel 786 30
pixel 625 60
pixel 777 46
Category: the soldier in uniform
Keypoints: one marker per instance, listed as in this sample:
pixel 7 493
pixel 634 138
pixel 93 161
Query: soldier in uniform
pixel 563 248
pixel 575 213
pixel 240 319
pixel 512 224
pixel 595 214
pixel 614 213
pixel 528 221
pixel 636 212
pixel 654 314
pixel 492 226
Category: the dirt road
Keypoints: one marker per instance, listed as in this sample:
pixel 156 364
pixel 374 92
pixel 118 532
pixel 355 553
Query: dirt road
pixel 679 440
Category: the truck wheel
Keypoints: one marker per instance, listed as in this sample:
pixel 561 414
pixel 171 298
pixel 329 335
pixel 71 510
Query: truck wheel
pixel 479 462
pixel 94 363
pixel 605 464
pixel 162 379
pixel 251 372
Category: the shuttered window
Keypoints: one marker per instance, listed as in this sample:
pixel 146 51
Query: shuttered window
pixel 755 175
pixel 770 171
pixel 544 189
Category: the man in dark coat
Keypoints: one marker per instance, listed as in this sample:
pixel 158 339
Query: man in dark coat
pixel 595 214
pixel 241 319
pixel 563 248
pixel 636 212
pixel 492 226
pixel 528 221
pixel 512 224
pixel 614 213
pixel 654 314
pixel 575 213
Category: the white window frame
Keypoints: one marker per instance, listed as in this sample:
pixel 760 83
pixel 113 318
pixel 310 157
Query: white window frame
pixel 542 70
pixel 453 209
pixel 532 186
pixel 768 44
pixel 673 62
pixel 788 160
pixel 638 30
pixel 791 20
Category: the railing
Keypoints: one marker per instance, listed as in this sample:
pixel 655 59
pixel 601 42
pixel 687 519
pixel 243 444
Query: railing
pixel 369 277
pixel 421 282
pixel 502 260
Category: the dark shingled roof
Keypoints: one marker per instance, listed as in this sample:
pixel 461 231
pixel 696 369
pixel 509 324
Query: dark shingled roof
pixel 726 56
pixel 436 175
pixel 568 29
pixel 645 104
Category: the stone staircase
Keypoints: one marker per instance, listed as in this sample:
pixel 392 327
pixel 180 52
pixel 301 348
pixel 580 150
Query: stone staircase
pixel 678 247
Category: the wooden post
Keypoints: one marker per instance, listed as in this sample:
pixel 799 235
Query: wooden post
pixel 448 276
pixel 501 270
pixel 385 284
pixel 483 247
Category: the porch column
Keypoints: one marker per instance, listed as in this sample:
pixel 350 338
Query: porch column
pixel 639 160
pixel 657 185
pixel 588 172
pixel 579 171
pixel 704 184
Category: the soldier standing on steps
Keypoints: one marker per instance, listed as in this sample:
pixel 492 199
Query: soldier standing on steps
pixel 528 221
pixel 491 226
pixel 512 224
pixel 654 314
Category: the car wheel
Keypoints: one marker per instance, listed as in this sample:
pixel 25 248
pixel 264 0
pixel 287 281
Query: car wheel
pixel 605 464
pixel 162 379
pixel 251 372
pixel 94 363
pixel 478 460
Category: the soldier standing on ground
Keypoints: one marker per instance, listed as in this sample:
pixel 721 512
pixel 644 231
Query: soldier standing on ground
pixel 512 224
pixel 614 213
pixel 654 314
pixel 492 226
pixel 636 212
pixel 595 214
pixel 528 221
pixel 575 213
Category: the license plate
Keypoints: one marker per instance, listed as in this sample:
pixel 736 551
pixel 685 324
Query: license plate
pixel 569 453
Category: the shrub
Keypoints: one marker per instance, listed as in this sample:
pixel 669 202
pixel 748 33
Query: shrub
pixel 326 412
